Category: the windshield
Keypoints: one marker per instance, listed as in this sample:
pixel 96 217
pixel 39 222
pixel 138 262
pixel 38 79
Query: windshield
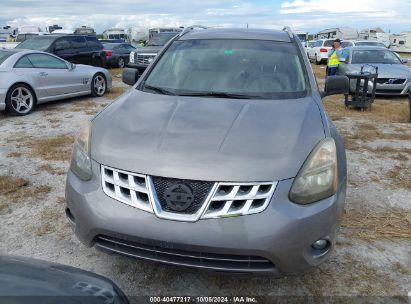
pixel 328 43
pixel 375 56
pixel 160 39
pixel 4 56
pixel 40 44
pixel 253 68
pixel 369 43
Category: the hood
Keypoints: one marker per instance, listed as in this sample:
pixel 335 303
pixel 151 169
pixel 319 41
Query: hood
pixel 23 277
pixel 149 49
pixel 386 70
pixel 206 138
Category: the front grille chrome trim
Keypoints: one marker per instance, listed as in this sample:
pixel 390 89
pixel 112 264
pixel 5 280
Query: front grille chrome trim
pixel 224 199
pixel 253 201
pixel 125 188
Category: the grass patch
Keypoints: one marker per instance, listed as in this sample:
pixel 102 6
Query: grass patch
pixel 14 154
pixel 392 223
pixel 53 148
pixel 14 189
pixel 115 92
pixel 381 111
pixel 399 177
pixel 48 222
pixel 51 170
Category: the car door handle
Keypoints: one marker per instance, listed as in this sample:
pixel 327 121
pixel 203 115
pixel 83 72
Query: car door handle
pixel 44 74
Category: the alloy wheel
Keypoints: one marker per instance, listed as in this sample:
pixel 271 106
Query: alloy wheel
pixel 22 100
pixel 99 85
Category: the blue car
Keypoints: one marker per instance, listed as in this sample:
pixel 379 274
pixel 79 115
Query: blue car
pixel 118 54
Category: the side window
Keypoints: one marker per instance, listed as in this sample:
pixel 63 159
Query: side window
pixel 93 42
pixel 130 47
pixel 78 42
pixel 62 44
pixel 23 62
pixel 46 61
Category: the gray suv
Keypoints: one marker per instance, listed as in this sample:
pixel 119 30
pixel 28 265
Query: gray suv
pixel 221 157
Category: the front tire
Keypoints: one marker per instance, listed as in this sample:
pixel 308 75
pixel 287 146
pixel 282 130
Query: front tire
pixel 98 85
pixel 20 100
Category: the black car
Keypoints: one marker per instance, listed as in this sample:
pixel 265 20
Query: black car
pixel 78 49
pixel 118 54
pixel 26 281
pixel 142 57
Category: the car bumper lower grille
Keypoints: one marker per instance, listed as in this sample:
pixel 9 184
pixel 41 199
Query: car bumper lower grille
pixel 219 262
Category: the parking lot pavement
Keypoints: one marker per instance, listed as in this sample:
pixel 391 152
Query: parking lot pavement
pixel 373 249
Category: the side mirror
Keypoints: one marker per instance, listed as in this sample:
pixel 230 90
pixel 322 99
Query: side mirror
pixel 130 76
pixel 404 60
pixel 336 85
pixel 72 66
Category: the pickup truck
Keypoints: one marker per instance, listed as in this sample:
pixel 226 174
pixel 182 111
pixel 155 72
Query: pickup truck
pixel 141 58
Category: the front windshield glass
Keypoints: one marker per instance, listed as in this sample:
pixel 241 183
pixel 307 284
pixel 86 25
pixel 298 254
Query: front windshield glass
pixel 254 68
pixel 35 44
pixel 160 39
pixel 375 56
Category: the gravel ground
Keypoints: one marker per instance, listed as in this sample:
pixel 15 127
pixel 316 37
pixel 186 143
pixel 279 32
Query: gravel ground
pixel 373 254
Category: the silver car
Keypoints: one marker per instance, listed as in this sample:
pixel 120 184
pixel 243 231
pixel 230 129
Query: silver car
pixel 394 76
pixel 30 77
pixel 220 157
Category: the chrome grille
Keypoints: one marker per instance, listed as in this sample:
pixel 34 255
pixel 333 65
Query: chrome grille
pixel 126 187
pixel 233 199
pixel 211 199
pixel 144 59
pixel 390 80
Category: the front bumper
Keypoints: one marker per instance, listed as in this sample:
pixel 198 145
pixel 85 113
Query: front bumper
pixel 140 67
pixel 3 94
pixel 282 234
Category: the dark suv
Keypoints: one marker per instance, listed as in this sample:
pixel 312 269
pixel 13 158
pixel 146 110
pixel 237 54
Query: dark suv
pixel 74 48
pixel 142 57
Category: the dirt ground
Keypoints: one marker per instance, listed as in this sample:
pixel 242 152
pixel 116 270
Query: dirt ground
pixel 373 254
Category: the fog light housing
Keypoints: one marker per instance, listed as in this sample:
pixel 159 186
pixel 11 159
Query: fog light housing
pixel 321 244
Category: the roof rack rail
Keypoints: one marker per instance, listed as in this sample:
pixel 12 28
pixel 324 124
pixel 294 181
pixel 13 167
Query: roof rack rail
pixel 289 31
pixel 191 28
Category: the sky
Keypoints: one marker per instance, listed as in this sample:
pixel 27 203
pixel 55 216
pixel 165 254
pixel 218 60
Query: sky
pixel 308 15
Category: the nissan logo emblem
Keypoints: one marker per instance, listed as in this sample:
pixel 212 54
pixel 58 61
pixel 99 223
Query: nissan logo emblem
pixel 179 197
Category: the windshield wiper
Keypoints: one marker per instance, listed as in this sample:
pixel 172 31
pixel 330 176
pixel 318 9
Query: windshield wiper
pixel 221 95
pixel 159 90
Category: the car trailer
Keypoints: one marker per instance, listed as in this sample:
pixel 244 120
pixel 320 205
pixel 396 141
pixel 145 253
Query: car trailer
pixel 361 98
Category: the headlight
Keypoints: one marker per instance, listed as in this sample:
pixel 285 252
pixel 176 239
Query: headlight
pixel 131 57
pixel 317 178
pixel 80 159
